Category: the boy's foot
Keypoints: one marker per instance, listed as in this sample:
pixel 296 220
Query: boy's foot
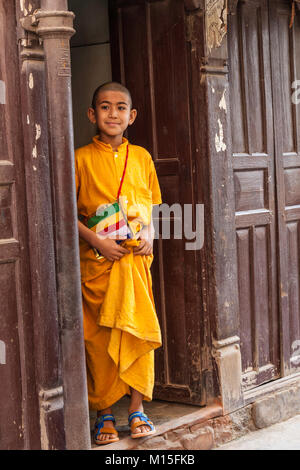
pixel 142 429
pixel 105 431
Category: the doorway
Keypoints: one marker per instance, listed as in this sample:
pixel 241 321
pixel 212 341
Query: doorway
pixel 131 42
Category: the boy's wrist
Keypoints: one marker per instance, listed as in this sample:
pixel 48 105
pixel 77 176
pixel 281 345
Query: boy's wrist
pixel 91 238
pixel 147 237
pixel 96 241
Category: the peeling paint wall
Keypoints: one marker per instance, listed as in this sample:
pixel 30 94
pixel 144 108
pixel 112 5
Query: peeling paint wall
pixel 2 92
pixel 37 131
pixel 222 104
pixel 219 139
pixel 216 22
pixel 30 81
pixel 2 353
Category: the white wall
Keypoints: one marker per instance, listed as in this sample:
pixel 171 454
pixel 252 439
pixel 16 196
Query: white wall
pixel 90 56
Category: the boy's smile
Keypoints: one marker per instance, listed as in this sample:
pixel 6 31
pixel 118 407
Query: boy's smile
pixel 113 114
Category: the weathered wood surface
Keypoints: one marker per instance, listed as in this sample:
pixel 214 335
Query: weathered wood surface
pixel 157 73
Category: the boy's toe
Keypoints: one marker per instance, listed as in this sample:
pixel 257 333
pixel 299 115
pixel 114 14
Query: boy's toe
pixel 142 429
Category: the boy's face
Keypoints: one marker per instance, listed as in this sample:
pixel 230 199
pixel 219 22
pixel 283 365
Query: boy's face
pixel 113 114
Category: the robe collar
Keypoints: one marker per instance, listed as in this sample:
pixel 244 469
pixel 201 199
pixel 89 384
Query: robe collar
pixel 107 147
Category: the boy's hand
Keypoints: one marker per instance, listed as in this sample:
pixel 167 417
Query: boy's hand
pixel 144 248
pixel 110 249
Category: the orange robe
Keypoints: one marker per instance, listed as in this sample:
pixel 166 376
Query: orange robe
pixel 121 329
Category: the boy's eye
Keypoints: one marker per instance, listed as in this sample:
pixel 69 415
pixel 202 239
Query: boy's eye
pixel 121 108
pixel 104 106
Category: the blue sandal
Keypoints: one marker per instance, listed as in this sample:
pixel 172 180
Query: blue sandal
pixel 101 429
pixel 144 422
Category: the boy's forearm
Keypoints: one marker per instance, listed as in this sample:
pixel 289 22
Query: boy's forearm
pixel 88 235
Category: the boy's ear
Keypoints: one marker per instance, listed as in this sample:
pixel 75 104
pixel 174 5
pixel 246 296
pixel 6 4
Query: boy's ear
pixel 133 114
pixel 91 115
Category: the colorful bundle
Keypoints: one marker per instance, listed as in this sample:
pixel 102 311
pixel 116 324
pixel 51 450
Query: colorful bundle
pixel 111 221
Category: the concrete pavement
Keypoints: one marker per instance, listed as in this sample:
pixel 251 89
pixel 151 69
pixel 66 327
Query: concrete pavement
pixel 280 436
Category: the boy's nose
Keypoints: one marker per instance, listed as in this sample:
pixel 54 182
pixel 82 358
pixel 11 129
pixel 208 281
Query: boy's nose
pixel 113 112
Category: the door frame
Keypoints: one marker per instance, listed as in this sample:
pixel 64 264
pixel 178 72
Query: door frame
pixel 46 108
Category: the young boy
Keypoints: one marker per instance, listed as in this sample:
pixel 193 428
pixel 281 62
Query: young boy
pixel 121 329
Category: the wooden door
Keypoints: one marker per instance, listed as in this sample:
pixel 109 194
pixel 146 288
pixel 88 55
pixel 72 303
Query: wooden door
pixel 255 185
pixel 149 57
pixel 285 55
pixel 19 419
pixel 264 62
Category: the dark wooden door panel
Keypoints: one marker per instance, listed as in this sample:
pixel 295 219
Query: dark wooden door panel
pixel 19 405
pixel 286 69
pixel 264 63
pixel 11 435
pixel 254 181
pixel 156 73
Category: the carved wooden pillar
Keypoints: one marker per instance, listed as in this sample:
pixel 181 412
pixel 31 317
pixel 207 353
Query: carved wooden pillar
pixel 207 34
pixel 48 135
pixel 55 27
pixel 41 243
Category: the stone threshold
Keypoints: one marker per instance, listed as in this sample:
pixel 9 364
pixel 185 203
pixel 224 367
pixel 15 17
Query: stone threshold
pixel 252 395
pixel 208 428
pixel 173 434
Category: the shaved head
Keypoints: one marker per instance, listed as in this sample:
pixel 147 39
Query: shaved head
pixel 110 86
